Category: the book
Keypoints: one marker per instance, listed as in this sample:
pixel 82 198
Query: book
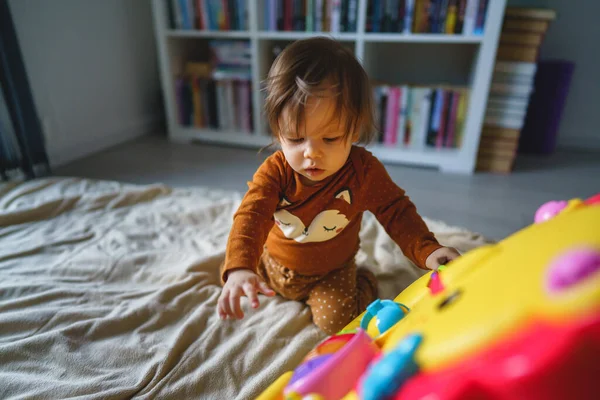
pixel 452 118
pixel 310 17
pixel 505 121
pixel 502 112
pixel 298 16
pixel 530 13
pixel 470 17
pixel 180 99
pixel 388 11
pixel 441 16
pixel 508 103
pixel 378 10
pixel 499 132
pixel 391 116
pixel 288 12
pixel 522 38
pixel 452 16
pixel 318 15
pixel 409 9
pixel 435 117
pixel 403 125
pixel 461 118
pixel 213 113
pixel 352 16
pixel 432 15
pixel 514 79
pixel 421 16
pixel 517 53
pixel 491 145
pixel 443 122
pixel 335 16
pixel 480 18
pixel 521 68
pixel 383 100
pixel 491 163
pixel 419 114
pixel 460 16
pixel 524 25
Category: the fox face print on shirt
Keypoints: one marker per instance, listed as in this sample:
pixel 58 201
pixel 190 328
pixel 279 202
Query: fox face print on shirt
pixel 325 226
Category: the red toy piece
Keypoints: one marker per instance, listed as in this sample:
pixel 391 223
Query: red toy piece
pixel 533 364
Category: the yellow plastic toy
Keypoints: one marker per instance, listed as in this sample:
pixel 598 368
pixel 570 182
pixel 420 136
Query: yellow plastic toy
pixel 521 316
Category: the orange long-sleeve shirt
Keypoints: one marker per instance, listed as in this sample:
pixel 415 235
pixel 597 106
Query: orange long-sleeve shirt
pixel 315 229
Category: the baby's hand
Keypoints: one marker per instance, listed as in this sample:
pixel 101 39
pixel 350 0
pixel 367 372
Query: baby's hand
pixel 441 256
pixel 241 282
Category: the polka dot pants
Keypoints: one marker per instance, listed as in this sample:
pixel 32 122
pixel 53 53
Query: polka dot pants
pixel 335 299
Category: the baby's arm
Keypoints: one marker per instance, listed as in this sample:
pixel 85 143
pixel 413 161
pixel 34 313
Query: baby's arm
pixel 251 225
pixel 399 217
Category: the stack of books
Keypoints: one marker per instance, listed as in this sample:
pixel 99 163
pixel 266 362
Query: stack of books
pixel 217 94
pixel 512 85
pixel 420 116
pixel 211 15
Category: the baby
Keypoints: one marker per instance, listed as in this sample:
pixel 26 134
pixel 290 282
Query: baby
pixel 296 232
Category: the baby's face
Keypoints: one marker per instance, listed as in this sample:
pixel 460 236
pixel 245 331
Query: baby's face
pixel 321 147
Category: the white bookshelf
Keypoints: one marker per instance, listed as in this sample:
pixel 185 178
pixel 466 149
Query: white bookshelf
pixel 465 60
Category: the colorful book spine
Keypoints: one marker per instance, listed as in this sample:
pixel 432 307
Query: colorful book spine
pixel 272 14
pixel 436 115
pixel 391 116
pixel 451 128
pixel 378 10
pixel 352 16
pixel 288 12
pixel 451 17
pixel 246 106
pixel 383 99
pixel 423 103
pixel 242 14
pixel 470 17
pixel 441 132
pixel 403 121
pixel 310 17
pixel 318 12
pixel 335 16
pixel 460 17
pixel 441 17
pixel 280 23
pixel 299 22
pixel 480 19
pixel 197 103
pixel 184 11
pixel 408 16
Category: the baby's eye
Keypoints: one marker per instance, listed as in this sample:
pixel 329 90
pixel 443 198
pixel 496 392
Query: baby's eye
pixel 295 140
pixel 331 140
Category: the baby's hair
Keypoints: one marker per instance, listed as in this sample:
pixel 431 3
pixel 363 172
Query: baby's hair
pixel 319 67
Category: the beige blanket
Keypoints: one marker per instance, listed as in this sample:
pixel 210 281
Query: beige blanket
pixel 108 291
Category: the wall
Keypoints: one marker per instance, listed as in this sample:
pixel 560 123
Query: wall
pixel 93 71
pixel 574 36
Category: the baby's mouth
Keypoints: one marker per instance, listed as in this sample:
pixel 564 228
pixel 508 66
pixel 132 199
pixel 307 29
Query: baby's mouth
pixel 314 171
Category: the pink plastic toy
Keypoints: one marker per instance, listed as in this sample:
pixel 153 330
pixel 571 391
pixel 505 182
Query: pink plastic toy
pixel 549 210
pixel 343 367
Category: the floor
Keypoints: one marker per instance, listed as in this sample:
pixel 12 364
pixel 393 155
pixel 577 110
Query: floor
pixel 494 205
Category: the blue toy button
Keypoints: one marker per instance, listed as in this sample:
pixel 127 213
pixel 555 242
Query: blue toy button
pixel 384 378
pixel 387 312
